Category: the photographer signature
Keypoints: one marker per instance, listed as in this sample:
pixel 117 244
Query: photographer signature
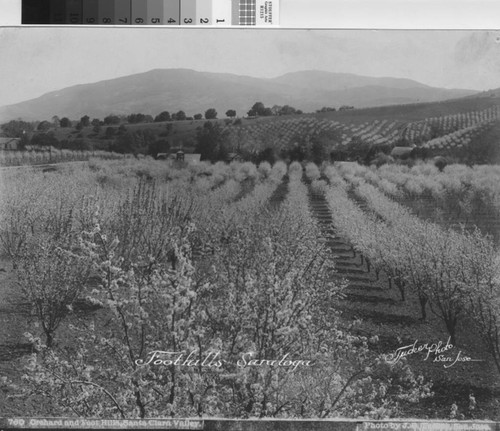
pixel 437 350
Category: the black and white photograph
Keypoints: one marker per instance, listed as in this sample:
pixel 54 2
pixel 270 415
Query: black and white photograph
pixel 265 224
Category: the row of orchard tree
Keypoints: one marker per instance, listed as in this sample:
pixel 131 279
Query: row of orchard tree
pixel 454 274
pixel 216 276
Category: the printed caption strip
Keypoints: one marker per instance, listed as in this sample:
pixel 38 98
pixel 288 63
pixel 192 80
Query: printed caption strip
pixel 199 13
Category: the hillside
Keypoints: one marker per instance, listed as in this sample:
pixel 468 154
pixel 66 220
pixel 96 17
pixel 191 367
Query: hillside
pixel 194 92
pixel 430 125
pixel 464 129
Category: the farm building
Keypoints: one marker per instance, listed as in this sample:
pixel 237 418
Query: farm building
pixel 192 158
pixel 9 144
pixel 234 157
pixel 401 152
pixel 179 155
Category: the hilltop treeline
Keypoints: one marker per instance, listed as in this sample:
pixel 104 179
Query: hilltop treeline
pixel 16 128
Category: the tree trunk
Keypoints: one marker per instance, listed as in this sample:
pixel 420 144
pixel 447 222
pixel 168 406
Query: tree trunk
pixel 451 324
pixel 49 338
pixel 423 303
pixel 140 405
pixel 401 287
pixel 171 398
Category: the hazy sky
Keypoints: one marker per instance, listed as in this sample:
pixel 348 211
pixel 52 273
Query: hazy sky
pixel 34 61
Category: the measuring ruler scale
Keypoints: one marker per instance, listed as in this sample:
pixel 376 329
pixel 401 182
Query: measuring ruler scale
pixel 199 13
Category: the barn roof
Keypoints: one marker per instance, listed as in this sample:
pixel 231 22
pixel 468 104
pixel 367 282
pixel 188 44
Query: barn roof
pixel 4 140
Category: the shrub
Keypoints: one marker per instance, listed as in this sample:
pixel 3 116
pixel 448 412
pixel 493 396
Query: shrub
pixel 319 186
pixel 312 172
pixel 264 169
pixel 295 170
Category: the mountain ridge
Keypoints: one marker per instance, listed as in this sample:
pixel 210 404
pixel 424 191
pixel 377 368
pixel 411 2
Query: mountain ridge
pixel 194 92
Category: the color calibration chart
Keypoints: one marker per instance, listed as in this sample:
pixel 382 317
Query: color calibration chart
pixel 151 12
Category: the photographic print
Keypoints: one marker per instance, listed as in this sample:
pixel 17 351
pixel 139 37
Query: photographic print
pixel 249 224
